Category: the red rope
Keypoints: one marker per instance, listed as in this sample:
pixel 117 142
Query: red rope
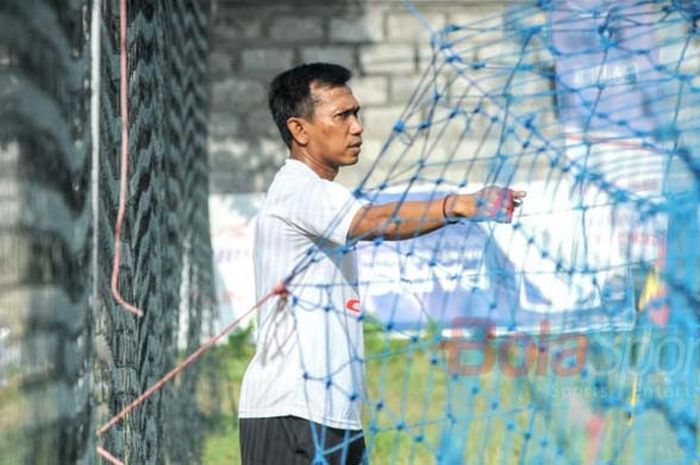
pixel 277 290
pixel 124 166
pixel 109 457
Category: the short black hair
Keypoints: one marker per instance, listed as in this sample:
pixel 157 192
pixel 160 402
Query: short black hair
pixel 290 92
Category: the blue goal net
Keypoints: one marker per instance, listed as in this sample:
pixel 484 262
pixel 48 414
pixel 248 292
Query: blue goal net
pixel 570 334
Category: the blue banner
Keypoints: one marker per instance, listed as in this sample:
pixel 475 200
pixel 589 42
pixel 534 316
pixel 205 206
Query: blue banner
pixel 606 56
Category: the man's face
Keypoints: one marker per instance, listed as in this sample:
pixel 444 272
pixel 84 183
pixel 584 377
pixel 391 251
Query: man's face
pixel 335 131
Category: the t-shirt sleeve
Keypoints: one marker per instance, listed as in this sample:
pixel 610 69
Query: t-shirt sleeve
pixel 325 209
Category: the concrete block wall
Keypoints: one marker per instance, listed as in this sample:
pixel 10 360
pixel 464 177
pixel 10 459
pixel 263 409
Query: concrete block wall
pixel 388 49
pixel 383 43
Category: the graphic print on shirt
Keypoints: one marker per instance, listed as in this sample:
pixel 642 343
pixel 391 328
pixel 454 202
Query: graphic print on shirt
pixel 353 305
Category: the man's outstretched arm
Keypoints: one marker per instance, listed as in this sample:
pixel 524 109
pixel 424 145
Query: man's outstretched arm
pixel 397 221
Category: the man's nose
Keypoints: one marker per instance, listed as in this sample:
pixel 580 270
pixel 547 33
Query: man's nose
pixel 356 127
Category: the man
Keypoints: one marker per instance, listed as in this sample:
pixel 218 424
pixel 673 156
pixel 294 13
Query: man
pixel 302 392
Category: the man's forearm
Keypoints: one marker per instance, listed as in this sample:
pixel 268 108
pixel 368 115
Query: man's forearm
pixel 398 221
pixel 404 220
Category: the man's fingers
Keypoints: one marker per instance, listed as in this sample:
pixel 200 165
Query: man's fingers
pixel 518 197
pixel 499 203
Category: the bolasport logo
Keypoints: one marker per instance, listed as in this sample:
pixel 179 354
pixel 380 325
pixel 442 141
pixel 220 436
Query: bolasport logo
pixel 666 350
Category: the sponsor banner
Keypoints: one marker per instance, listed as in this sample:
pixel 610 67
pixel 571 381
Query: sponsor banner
pixel 232 220
pixel 546 269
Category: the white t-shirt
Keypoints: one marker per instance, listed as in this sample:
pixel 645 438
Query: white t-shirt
pixel 309 359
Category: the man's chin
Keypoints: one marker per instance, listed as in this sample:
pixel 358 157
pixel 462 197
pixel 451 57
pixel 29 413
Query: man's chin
pixel 351 159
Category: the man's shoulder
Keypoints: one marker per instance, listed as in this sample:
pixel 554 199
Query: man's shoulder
pixel 286 187
pixel 295 181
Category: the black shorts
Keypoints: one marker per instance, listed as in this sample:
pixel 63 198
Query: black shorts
pixel 296 441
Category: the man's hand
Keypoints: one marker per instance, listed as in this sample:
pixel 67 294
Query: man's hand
pixel 491 203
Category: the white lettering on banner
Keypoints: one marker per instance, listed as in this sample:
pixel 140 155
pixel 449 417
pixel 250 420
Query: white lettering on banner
pixel 607 74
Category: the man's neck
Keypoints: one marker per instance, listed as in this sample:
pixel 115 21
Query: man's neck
pixel 323 170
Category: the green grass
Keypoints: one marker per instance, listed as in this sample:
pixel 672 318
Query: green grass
pixel 419 406
pixel 12 434
pixel 221 444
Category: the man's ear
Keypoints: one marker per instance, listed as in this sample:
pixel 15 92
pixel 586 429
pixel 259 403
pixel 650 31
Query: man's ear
pixel 297 128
